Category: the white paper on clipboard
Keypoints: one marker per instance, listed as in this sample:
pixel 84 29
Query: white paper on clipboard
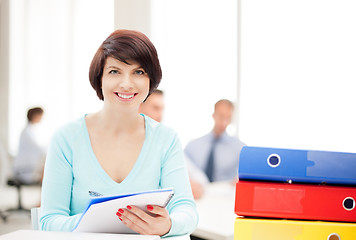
pixel 100 215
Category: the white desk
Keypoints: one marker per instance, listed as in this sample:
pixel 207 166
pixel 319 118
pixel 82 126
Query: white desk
pixel 43 235
pixel 216 212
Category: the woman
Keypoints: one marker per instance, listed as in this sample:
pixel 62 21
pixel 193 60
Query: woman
pixel 117 150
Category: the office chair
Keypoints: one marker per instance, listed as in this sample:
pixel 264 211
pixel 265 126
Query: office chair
pixel 11 181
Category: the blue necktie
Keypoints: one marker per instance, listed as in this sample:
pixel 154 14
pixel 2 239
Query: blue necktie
pixel 209 170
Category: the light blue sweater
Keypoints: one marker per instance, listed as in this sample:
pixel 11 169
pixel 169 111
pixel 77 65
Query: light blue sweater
pixel 72 170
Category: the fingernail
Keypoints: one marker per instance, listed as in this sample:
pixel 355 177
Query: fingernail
pixel 120 219
pixel 129 207
pixel 120 210
pixel 118 214
pixel 149 208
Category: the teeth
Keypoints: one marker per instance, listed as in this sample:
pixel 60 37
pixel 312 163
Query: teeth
pixel 125 96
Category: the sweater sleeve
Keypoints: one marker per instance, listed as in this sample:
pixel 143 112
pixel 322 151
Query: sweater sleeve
pixel 57 187
pixel 182 207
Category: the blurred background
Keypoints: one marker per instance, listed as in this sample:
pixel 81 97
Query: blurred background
pixel 51 44
pixel 289 66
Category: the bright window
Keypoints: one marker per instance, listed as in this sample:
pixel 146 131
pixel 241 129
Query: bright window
pixel 298 75
pixel 197 45
pixel 52 44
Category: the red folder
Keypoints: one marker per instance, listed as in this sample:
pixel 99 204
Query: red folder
pixel 295 201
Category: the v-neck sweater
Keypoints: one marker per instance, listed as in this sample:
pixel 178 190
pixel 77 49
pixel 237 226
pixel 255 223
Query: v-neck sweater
pixel 72 169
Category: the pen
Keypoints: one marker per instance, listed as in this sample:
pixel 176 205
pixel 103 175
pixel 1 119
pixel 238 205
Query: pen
pixel 95 194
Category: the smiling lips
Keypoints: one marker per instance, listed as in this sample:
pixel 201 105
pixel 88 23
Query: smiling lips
pixel 125 96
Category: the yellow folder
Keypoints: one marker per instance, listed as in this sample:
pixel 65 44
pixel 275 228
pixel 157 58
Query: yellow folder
pixel 273 229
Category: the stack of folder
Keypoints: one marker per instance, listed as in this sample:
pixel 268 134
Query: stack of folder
pixel 287 194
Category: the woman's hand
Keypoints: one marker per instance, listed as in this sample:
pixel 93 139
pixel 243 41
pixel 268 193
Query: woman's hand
pixel 159 223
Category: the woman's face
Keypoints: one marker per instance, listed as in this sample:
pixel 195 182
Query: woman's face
pixel 124 85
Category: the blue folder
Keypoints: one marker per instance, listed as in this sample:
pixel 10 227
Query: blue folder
pixel 274 164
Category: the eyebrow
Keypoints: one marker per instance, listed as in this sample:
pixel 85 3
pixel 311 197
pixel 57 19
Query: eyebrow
pixel 113 67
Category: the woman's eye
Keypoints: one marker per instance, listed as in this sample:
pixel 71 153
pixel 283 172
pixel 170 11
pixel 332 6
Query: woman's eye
pixel 139 72
pixel 113 72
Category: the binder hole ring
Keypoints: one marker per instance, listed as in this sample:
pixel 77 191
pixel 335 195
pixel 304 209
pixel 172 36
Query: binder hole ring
pixel 274 160
pixel 348 203
pixel 334 236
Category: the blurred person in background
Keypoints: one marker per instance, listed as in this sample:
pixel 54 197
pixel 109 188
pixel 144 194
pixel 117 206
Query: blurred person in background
pixel 216 154
pixel 29 162
pixel 153 106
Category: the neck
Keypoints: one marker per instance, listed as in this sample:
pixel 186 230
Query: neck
pixel 118 121
pixel 217 132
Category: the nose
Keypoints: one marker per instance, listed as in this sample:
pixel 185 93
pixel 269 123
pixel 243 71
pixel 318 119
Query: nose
pixel 126 82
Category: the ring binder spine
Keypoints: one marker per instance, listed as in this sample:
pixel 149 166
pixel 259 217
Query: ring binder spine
pixel 334 236
pixel 348 203
pixel 274 160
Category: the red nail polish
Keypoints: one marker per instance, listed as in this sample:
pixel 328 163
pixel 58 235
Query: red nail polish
pixel 149 208
pixel 129 207
pixel 120 219
pixel 118 214
pixel 120 210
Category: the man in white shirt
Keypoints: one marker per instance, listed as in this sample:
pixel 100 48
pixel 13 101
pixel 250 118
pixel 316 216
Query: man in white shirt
pixel 29 161
pixel 215 154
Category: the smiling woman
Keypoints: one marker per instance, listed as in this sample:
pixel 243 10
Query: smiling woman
pixel 120 80
pixel 116 150
pixel 140 51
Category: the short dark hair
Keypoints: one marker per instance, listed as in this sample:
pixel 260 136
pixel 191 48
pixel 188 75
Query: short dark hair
pixel 158 91
pixel 32 112
pixel 126 45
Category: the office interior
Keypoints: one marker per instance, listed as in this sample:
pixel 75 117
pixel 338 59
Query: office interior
pixel 288 66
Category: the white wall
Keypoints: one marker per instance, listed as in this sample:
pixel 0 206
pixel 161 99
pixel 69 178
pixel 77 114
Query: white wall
pixel 134 15
pixel 52 44
pixel 54 41
pixel 298 74
pixel 197 45
pixel 4 87
pixel 4 71
pixel 296 63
